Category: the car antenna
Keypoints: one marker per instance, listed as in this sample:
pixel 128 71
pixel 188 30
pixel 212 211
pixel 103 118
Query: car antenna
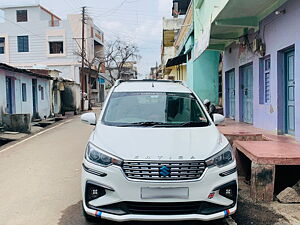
pixel 152 84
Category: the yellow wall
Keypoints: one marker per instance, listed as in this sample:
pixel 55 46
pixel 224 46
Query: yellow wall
pixel 178 72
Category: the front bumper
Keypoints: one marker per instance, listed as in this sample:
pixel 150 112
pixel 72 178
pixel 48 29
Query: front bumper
pixel 120 192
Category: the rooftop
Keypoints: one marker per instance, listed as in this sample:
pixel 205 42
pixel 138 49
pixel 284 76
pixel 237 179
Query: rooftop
pixel 27 6
pixel 18 6
pixel 23 71
pixel 151 86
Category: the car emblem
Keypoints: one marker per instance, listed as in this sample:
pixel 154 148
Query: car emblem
pixel 164 171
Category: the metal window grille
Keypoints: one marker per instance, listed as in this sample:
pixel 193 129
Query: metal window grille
pixel 267 84
pixel 2 45
pixel 24 92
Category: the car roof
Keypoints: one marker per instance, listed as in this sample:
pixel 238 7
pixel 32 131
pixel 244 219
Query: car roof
pixel 151 86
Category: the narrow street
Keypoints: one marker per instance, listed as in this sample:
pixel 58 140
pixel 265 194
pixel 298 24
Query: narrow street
pixel 40 177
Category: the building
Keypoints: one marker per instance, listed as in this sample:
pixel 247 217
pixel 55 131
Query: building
pixel 260 67
pixel 180 7
pixel 32 36
pixel 188 60
pixel 155 72
pixel 171 28
pixel 126 71
pixel 24 92
pixel 182 56
pixel 63 93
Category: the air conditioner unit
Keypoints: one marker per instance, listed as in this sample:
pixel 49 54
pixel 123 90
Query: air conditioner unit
pixel 259 46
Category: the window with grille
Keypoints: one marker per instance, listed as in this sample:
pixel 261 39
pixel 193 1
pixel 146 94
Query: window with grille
pixel 42 93
pixel 265 80
pixel 24 93
pixel 22 16
pixel 267 84
pixel 23 44
pixel 2 45
pixel 56 47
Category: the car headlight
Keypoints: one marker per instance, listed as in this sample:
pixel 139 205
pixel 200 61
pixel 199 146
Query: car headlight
pixel 222 158
pixel 99 157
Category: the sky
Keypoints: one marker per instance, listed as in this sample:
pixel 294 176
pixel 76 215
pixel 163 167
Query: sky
pixel 135 21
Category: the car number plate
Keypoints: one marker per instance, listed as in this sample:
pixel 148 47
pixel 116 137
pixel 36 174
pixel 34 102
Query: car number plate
pixel 164 192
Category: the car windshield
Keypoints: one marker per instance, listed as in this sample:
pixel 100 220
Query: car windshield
pixel 154 109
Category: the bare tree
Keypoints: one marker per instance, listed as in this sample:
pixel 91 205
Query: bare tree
pixel 117 54
pixel 92 64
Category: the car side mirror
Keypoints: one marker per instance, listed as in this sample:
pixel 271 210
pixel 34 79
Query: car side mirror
pixel 89 118
pixel 218 118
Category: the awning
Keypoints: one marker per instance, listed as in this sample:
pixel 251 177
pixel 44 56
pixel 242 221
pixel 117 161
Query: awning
pixel 176 60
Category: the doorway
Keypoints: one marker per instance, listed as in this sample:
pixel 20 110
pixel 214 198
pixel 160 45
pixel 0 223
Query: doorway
pixel 230 93
pixel 246 93
pixel 289 77
pixel 34 98
pixel 10 95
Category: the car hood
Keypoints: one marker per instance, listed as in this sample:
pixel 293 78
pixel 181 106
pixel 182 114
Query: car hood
pixel 146 143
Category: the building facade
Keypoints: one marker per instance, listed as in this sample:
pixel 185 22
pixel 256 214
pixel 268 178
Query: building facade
pixel 24 92
pixel 171 28
pixel 191 62
pixel 33 37
pixel 262 73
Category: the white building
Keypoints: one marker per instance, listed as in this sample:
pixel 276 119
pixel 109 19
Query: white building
pixel 31 36
pixel 24 92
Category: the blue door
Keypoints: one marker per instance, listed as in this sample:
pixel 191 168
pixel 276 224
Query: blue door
pixel 230 94
pixel 247 94
pixel 9 95
pixel 290 92
pixel 34 98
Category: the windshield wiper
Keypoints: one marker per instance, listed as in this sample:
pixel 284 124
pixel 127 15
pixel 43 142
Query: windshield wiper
pixel 144 124
pixel 161 124
pixel 193 124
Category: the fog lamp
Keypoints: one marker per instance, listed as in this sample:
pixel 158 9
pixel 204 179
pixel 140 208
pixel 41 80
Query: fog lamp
pixel 229 192
pixel 93 192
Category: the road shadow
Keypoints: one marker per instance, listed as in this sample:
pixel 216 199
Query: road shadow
pixel 73 216
pixel 249 213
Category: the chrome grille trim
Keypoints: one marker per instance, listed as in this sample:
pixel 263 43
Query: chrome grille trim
pixel 150 170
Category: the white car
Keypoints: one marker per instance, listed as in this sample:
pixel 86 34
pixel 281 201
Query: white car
pixel 156 155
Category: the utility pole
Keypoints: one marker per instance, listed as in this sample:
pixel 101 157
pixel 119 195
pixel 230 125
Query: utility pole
pixel 82 74
pixel 82 37
pixel 156 71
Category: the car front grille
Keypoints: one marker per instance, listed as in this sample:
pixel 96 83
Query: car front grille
pixel 163 208
pixel 164 170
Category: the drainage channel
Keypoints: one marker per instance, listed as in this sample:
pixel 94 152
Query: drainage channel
pixel 4 141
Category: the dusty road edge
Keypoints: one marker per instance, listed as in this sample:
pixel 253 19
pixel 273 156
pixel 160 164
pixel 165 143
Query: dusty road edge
pixel 30 136
pixel 230 221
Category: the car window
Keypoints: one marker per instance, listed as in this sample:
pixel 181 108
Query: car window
pixel 163 109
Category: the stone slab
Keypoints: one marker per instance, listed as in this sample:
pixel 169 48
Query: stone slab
pixel 270 152
pixel 289 195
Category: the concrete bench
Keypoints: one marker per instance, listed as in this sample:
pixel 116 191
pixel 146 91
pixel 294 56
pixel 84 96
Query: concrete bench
pixel 264 156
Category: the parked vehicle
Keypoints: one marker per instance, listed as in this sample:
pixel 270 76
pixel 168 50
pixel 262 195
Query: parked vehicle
pixel 156 155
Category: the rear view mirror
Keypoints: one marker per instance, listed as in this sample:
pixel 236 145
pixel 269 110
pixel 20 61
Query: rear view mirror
pixel 89 118
pixel 218 118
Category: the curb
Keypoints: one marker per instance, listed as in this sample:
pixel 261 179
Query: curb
pixel 34 134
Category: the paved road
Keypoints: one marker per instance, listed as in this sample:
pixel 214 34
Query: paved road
pixel 40 178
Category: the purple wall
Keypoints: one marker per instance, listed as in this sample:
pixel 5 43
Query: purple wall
pixel 279 32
